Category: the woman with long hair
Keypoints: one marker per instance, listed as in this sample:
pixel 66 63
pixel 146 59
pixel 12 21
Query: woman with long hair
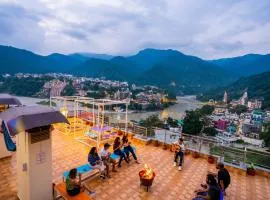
pixel 95 161
pixel 128 149
pixel 117 150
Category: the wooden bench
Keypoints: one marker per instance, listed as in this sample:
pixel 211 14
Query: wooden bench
pixel 62 193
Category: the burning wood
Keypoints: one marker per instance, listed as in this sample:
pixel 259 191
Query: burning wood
pixel 147 172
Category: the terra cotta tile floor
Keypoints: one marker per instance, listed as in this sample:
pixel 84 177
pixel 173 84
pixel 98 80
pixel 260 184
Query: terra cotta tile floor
pixel 168 184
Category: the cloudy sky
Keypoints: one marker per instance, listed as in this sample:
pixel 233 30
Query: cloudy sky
pixel 206 28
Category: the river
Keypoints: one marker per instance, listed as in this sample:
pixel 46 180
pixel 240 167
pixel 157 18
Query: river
pixel 176 111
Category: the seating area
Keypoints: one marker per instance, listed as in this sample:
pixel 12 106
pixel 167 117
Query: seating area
pixel 125 184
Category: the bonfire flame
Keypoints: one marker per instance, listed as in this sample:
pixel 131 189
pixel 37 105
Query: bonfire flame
pixel 147 172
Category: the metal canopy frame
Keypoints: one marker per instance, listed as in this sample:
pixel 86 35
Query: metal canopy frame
pixel 97 105
pixel 100 104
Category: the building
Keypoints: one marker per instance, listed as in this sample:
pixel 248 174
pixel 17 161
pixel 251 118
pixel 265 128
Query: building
pixel 254 104
pixel 55 87
pixel 252 130
pixel 243 100
pixel 221 124
pixel 225 97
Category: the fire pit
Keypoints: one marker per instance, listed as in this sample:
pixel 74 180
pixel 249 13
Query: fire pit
pixel 147 176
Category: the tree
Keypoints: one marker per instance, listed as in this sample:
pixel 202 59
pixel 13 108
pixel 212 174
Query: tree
pixel 171 95
pixel 172 122
pixel 192 122
pixel 210 131
pixel 69 90
pixel 266 134
pixel 151 122
pixel 239 109
pixel 207 110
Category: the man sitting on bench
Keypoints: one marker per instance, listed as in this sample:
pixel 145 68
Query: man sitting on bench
pixel 73 186
pixel 105 157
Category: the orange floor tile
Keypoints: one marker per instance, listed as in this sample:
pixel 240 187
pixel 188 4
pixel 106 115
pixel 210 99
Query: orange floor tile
pixel 168 184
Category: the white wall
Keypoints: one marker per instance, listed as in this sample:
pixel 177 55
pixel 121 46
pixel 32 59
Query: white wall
pixel 36 182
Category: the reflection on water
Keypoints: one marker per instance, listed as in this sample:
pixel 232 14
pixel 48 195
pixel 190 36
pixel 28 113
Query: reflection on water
pixel 176 111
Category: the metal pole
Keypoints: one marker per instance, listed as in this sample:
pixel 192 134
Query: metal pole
pixel 165 136
pixel 126 119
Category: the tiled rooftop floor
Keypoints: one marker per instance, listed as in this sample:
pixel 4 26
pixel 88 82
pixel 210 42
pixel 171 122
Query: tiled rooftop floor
pixel 168 184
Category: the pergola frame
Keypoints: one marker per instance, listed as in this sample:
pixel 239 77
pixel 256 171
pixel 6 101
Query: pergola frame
pixel 96 103
pixel 100 104
pixel 73 99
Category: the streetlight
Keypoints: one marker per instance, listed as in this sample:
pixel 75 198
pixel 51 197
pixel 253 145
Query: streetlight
pixel 165 126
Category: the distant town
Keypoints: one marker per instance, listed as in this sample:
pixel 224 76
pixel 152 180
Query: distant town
pixel 239 121
pixel 144 97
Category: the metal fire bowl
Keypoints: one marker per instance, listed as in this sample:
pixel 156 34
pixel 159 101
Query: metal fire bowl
pixel 145 181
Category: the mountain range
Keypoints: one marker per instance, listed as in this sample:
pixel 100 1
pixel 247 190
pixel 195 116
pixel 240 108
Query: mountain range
pixel 169 69
pixel 245 65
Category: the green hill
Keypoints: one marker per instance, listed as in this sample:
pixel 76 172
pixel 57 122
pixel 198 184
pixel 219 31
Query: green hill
pixel 185 73
pixel 13 60
pixel 245 65
pixel 257 85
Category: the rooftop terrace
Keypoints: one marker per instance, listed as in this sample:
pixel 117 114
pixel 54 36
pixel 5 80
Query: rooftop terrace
pixel 168 184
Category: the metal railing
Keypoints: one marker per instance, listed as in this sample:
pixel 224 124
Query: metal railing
pixel 240 157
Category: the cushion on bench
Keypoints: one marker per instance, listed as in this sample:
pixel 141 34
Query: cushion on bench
pixel 115 156
pixel 81 169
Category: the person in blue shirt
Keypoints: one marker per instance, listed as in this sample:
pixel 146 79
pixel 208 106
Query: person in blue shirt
pixel 128 149
pixel 117 146
pixel 95 162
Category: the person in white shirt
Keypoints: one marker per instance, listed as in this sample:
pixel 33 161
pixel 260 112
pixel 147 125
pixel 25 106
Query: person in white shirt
pixel 105 157
pixel 179 153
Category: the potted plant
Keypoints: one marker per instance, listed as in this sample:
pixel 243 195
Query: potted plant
pixel 156 143
pixel 119 133
pixel 149 142
pixel 165 146
pixel 211 159
pixel 251 170
pixel 196 154
pixel 187 152
pixel 170 147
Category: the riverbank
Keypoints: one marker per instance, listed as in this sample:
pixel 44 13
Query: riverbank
pixel 176 111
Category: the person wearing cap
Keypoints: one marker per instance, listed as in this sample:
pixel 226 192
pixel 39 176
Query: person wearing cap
pixel 105 157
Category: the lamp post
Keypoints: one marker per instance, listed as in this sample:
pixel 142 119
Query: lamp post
pixel 165 126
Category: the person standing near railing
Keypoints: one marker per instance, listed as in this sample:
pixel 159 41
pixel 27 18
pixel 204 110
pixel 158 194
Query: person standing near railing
pixel 179 152
pixel 224 178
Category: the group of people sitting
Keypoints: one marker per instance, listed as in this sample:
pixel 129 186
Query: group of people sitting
pixel 216 185
pixel 101 161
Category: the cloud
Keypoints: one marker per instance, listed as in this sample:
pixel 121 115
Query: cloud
pixel 206 28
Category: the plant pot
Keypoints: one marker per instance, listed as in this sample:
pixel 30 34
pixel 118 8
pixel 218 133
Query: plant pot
pixel 165 146
pixel 211 159
pixel 119 133
pixel 149 142
pixel 251 171
pixel 170 147
pixel 195 155
pixel 187 152
pixel 156 143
